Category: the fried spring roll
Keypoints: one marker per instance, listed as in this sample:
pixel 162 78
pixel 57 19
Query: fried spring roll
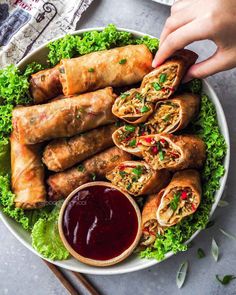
pixel 150 225
pixel 63 117
pixel 63 183
pixel 132 107
pixel 180 198
pixel 167 151
pixel 173 114
pixel 115 67
pixel 27 175
pixel 64 153
pixel 45 85
pixel 137 178
pixel 162 82
pixel 126 138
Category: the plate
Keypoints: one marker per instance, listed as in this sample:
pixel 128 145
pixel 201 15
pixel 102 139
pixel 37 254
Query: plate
pixel 165 2
pixel 133 263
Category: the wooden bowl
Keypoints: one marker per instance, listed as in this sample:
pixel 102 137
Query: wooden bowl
pixel 95 262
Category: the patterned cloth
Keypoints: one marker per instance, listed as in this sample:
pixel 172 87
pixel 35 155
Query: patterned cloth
pixel 26 24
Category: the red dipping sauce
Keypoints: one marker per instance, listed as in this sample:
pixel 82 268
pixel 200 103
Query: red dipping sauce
pixel 99 222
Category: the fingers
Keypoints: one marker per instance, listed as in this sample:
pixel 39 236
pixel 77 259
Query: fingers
pixel 219 62
pixel 179 39
pixel 179 5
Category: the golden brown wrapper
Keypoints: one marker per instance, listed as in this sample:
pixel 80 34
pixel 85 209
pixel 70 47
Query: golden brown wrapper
pixel 132 107
pixel 115 67
pixel 45 85
pixel 27 175
pixel 178 151
pixel 187 181
pixel 173 70
pixel 150 225
pixel 95 168
pixel 64 117
pixel 126 176
pixel 64 153
pixel 173 114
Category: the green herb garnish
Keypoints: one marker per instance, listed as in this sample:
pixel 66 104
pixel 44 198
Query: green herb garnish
pixel 130 128
pixel 226 279
pixel 91 70
pixel 156 86
pixel 138 170
pixel 123 61
pixel 132 143
pixel 139 96
pixel 162 78
pixel 144 109
pixel 200 253
pixel 175 201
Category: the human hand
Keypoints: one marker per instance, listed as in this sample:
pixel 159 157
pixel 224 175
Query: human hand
pixel 194 20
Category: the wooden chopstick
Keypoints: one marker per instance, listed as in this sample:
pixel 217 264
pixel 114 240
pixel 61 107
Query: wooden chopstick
pixel 66 283
pixel 85 283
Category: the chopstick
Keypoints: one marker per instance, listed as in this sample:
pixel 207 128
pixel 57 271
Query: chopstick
pixel 66 283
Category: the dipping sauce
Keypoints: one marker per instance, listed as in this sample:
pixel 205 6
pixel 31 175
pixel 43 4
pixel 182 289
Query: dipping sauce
pixel 100 222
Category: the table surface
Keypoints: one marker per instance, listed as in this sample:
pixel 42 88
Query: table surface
pixel 22 272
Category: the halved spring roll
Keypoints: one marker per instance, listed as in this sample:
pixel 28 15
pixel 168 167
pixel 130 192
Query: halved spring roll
pixel 150 225
pixel 45 85
pixel 180 198
pixel 126 138
pixel 137 178
pixel 167 151
pixel 63 183
pixel 115 67
pixel 27 175
pixel 173 114
pixel 64 153
pixel 132 107
pixel 64 117
pixel 162 82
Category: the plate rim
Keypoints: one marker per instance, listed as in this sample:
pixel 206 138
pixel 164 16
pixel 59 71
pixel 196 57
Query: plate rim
pixel 146 263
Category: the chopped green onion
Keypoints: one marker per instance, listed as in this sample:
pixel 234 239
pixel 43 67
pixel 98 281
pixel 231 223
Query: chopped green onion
pixel 129 128
pixel 81 168
pixel 132 142
pixel 162 78
pixel 156 86
pixel 161 155
pixel 138 170
pixel 122 61
pixel 93 176
pixel 122 173
pixel 167 118
pixel 91 70
pixel 175 201
pixel 124 95
pixel 138 96
pixel 128 187
pixel 226 279
pixel 144 109
pixel 181 274
pixel 214 250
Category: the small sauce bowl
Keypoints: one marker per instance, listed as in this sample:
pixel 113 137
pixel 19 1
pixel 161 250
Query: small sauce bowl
pixel 99 224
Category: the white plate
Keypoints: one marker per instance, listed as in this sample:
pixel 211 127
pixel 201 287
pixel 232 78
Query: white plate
pixel 165 2
pixel 133 263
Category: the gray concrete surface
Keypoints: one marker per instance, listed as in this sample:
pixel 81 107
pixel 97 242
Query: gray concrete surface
pixel 23 273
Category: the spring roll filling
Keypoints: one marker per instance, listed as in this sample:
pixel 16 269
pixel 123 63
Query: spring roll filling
pixel 160 152
pixel 161 86
pixel 127 136
pixel 131 178
pixel 167 114
pixel 178 203
pixel 132 104
pixel 150 231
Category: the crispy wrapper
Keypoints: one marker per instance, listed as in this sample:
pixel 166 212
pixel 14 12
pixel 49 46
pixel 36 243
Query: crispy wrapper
pixel 64 117
pixel 150 225
pixel 64 153
pixel 180 198
pixel 115 67
pixel 163 81
pixel 167 151
pixel 27 175
pixel 132 107
pixel 138 178
pixel 173 114
pixel 45 85
pixel 63 183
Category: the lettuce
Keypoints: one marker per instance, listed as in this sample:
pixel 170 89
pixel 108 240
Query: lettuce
pixel 46 239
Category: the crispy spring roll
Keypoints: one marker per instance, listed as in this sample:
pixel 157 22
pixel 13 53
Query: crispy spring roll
pixel 162 82
pixel 150 225
pixel 137 178
pixel 132 107
pixel 63 183
pixel 64 153
pixel 126 138
pixel 167 151
pixel 27 175
pixel 180 198
pixel 173 114
pixel 45 85
pixel 64 117
pixel 115 67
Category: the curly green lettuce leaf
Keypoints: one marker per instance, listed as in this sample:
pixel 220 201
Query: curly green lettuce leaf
pixel 193 86
pixel 46 239
pixel 71 46
pixel 205 126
